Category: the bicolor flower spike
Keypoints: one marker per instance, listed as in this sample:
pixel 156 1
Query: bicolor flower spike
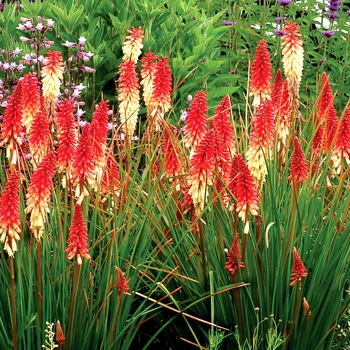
pixel 67 136
pixel 128 96
pixel 234 257
pixel 242 186
pixel 261 142
pixel 52 75
pixel 39 193
pixel 298 271
pixel 299 169
pixel 161 94
pixel 260 82
pixel 78 237
pixel 196 122
pixel 341 150
pixel 200 174
pixel 110 183
pixel 12 127
pixel 133 45
pixel 149 67
pixel 293 59
pixel 10 223
pixel 30 99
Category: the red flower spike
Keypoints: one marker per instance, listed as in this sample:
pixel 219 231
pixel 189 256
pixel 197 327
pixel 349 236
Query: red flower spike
pixel 200 174
pixel 234 256
pixel 52 75
pixel 77 237
pixel 12 127
pixel 39 139
pixel 121 283
pixel 132 46
pixel 172 159
pixel 83 165
pixel 276 95
pixel 332 123
pixel 30 99
pixel 342 144
pixel 39 193
pixel 128 96
pixel 283 117
pixel 59 334
pixel 162 88
pixel 222 124
pixel 316 147
pixel 261 74
pixel 10 223
pixel 149 67
pixel 196 123
pixel 326 101
pixel 243 188
pixel 299 169
pixel 298 271
pixel 67 135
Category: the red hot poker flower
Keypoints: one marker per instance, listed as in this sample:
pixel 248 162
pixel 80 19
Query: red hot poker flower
pixel 77 238
pixel 10 224
pixel 325 101
pixel 39 193
pixel 121 284
pixel 196 122
pixel 110 183
pixel 30 99
pixel 149 67
pixel 298 271
pixel 234 257
pixel 133 44
pixel 261 74
pixel 60 338
pixel 12 127
pixel 299 169
pixel 243 188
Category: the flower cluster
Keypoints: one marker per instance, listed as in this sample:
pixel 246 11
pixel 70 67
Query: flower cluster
pixel 234 257
pixel 298 271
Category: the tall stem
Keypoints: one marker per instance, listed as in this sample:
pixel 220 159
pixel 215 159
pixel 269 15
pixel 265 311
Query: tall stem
pixel 114 328
pixel 72 305
pixel 13 304
pixel 38 274
pixel 203 252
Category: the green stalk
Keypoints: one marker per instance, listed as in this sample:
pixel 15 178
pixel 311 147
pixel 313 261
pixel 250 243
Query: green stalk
pixel 72 305
pixel 296 310
pixel 239 308
pixel 114 328
pixel 38 273
pixel 203 252
pixel 13 304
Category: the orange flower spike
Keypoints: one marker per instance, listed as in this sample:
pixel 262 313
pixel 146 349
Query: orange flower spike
pixel 162 88
pixel 342 145
pixel 39 193
pixel 132 45
pixel 12 127
pixel 39 138
pixel 325 101
pixel 10 223
pixel 332 123
pixel 299 169
pixel 99 130
pixel 121 283
pixel 234 256
pixel 52 76
pixel 83 165
pixel 316 147
pixel 67 135
pixel 30 99
pixel 260 86
pixel 298 271
pixel 128 96
pixel 201 171
pixel 77 237
pixel 276 91
pixel 243 188
pixel 110 182
pixel 196 122
pixel 149 67
pixel 60 338
pixel 223 124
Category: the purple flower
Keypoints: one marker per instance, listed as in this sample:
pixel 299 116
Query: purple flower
pixel 279 32
pixel 348 12
pixel 229 23
pixel 284 2
pixel 279 20
pixel 327 33
pixel 334 5
pixel 332 15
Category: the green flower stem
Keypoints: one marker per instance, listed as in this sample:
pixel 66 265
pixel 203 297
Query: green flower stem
pixel 13 304
pixel 38 272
